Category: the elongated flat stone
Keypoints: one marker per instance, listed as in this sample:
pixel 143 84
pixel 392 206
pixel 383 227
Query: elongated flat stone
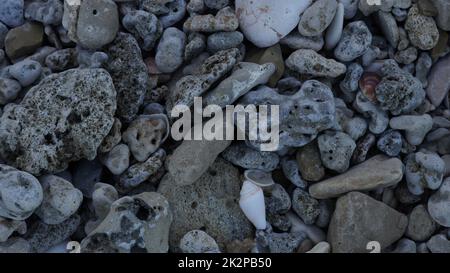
pixel 378 172
pixel 438 81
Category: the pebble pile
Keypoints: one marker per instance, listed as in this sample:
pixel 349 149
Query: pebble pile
pixel 87 89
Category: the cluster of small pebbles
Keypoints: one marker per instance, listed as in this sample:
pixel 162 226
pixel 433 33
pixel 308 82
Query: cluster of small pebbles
pixel 87 89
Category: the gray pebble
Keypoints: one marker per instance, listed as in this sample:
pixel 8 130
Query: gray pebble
pixel 224 40
pixel 405 246
pixel 356 127
pixel 439 204
pixel 423 170
pixel 351 81
pixel 295 40
pixel 356 39
pixel 241 155
pixel 26 72
pixel 177 10
pixel 48 12
pixel 9 90
pixel 144 26
pixel 3 32
pixel 277 200
pixel 422 30
pixel 317 17
pixel 306 207
pixel 407 56
pixel 118 159
pixel 307 61
pixel 11 12
pixel 439 244
pixel 196 44
pixel 198 241
pixel 63 59
pixel 389 27
pixel 420 225
pixel 170 51
pixel 291 171
pixel 423 67
pixel 390 143
pixel 336 150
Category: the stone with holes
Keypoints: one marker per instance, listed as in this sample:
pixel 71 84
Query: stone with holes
pixel 59 120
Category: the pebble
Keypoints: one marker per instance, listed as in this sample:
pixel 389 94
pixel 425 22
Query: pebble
pixel 26 72
pixel 209 204
pixel 438 83
pixel 47 12
pixel 243 156
pixel 377 172
pixel 423 170
pixel 389 27
pixel 314 234
pixel 307 61
pixel 11 13
pixel 336 149
pixel 423 67
pixel 356 127
pixel 61 200
pixel 3 32
pixel 102 198
pixel 265 22
pixel 295 40
pixel 277 200
pixel 61 60
pixel 443 18
pixel 390 143
pixel 358 217
pixel 322 247
pixel 350 8
pixel 97 23
pixel 177 10
pixel 113 138
pixel 367 7
pixel 291 172
pixel 439 244
pixel 223 40
pixel 317 17
pixel 224 20
pixel 50 141
pixel 356 39
pixel 118 159
pixel 195 45
pixel 144 26
pixel 15 245
pixel 145 134
pixel 9 90
pixel 334 31
pixel 362 148
pixel 309 162
pixel 420 225
pixel 306 207
pixel 198 241
pixel 157 7
pixel 427 7
pixel 170 51
pixel 405 246
pixel 415 127
pixel 438 204
pixel 8 227
pixel 273 55
pixel 23 40
pixel 407 56
pixel 422 30
pixel 351 81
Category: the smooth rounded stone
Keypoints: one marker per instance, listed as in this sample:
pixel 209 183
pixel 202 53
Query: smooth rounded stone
pixel 224 40
pixel 317 17
pixel 265 22
pixel 3 32
pixel 42 236
pixel 209 204
pixel 245 76
pixel 409 94
pixel 177 10
pixel 224 20
pixel 439 205
pixel 390 143
pixel 11 13
pixel 134 223
pixel 356 39
pixel 406 56
pixel 389 28
pixel 212 69
pixel 198 241
pixel 170 51
pixel 350 8
pixel 336 150
pixel 295 40
pixel 351 81
pixel 357 218
pixel 376 172
pixel 309 162
pixel 368 7
pixel 8 227
pixel 26 72
pixel 145 134
pixel 9 90
pixel 61 200
pixel 443 16
pixel 71 123
pixel 48 12
pixel 423 170
pixel 15 245
pixel 113 138
pixel 291 171
pixel 91 59
pixel 118 159
pixel 307 61
pixel 144 26
pixel 405 246
pixel 243 156
pixel 196 44
pixel 422 248
pixel 439 244
pixel 140 172
pixel 302 115
pixel 23 40
pixel 423 67
pixel 356 127
pixel 306 207
pixel 61 60
pixel 438 82
pixel 422 30
pixel 102 198
pixel 322 247
pixel 437 134
pixel 129 74
pixel 21 193
pixel 371 54
pixel 415 127
pixel 403 42
pixel 334 31
pixel 277 200
pixel 97 23
pixel 420 225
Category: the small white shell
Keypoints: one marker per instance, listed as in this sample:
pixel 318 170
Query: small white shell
pixel 252 204
pixel 259 178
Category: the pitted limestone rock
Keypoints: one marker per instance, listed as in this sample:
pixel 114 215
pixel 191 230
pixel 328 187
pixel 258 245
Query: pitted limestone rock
pixel 241 155
pixel 424 170
pixel 302 115
pixel 307 61
pixel 144 26
pixel 336 150
pixel 59 120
